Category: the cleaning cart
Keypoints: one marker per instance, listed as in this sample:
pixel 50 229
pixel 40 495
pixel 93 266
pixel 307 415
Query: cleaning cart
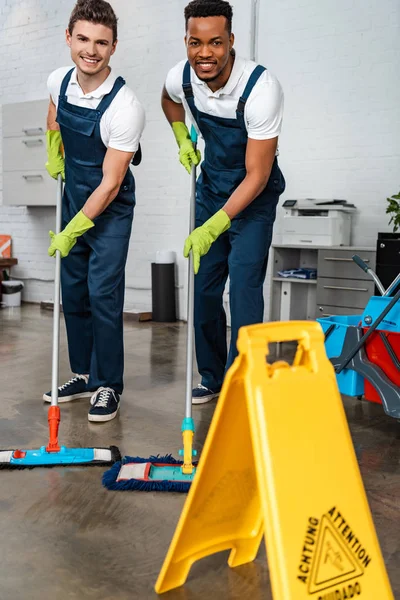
pixel 365 349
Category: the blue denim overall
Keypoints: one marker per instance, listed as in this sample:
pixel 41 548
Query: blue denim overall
pixel 93 274
pixel 242 251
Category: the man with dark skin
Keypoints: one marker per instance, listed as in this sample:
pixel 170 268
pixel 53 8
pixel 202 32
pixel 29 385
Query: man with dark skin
pixel 236 106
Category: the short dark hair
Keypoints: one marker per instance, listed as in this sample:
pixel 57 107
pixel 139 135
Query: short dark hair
pixel 209 8
pixel 94 11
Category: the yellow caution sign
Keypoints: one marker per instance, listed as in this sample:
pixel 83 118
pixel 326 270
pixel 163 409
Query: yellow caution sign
pixel 279 461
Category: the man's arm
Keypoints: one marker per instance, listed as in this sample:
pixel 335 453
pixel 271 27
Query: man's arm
pixel 264 112
pixel 172 110
pixel 260 155
pixel 55 156
pixel 52 124
pixel 115 165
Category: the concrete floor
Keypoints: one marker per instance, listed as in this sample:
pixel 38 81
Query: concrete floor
pixel 65 537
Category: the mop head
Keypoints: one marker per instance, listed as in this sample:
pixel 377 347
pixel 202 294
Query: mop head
pixel 153 474
pixel 66 457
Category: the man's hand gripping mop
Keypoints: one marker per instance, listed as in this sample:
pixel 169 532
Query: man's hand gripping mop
pixel 165 473
pixel 54 455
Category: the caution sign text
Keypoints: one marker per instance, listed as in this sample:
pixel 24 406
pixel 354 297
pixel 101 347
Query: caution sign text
pixel 332 555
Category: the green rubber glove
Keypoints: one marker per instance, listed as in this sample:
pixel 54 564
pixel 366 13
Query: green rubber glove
pixel 55 158
pixel 201 238
pixel 66 239
pixel 187 154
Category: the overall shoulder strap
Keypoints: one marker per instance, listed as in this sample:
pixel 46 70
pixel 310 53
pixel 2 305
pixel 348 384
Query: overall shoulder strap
pixel 108 98
pixel 64 84
pixel 186 83
pixel 254 77
pixel 188 91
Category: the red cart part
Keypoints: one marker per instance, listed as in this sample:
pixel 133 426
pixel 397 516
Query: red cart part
pixel 383 349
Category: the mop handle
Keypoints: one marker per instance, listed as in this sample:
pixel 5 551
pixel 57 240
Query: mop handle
pixel 190 297
pixel 56 311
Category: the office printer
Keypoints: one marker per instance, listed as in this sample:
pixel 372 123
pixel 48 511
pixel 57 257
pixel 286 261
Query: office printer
pixel 317 222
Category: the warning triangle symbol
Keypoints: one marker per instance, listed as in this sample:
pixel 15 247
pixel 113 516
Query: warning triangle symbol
pixel 333 562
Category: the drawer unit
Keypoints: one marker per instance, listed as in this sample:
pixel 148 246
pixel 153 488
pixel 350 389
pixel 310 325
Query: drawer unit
pixel 25 180
pixel 329 311
pixel 25 118
pixel 24 153
pixel 341 287
pixel 339 263
pixel 344 292
pixel 29 188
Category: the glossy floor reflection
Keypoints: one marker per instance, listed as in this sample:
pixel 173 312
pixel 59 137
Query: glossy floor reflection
pixel 65 537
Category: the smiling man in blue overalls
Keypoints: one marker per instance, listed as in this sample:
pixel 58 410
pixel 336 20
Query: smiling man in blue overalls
pixel 237 107
pixel 100 122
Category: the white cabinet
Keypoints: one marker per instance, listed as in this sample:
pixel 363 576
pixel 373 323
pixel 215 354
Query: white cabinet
pixel 25 179
pixel 24 153
pixel 29 188
pixel 25 118
pixel 341 287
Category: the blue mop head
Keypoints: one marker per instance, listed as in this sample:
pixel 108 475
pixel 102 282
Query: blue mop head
pixel 153 474
pixel 66 457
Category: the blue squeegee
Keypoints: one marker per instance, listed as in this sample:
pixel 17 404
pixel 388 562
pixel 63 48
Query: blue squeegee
pixel 54 455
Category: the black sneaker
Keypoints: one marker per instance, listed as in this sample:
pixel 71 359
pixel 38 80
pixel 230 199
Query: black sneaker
pixel 72 390
pixel 201 394
pixel 105 405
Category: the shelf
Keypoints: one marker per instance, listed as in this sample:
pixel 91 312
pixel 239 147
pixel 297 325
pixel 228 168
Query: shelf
pixel 295 280
pixel 8 262
pixel 316 247
pixel 297 302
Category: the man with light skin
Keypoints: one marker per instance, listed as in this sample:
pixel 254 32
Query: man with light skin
pixel 236 106
pixel 94 127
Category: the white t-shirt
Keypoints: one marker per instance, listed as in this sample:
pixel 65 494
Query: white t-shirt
pixel 264 108
pixel 121 125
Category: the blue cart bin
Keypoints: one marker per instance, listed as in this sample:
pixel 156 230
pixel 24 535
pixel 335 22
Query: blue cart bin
pixel 375 306
pixel 350 383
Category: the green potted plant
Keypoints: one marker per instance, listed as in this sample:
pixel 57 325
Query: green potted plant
pixel 393 209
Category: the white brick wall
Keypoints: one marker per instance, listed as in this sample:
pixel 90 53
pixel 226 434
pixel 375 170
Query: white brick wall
pixel 338 63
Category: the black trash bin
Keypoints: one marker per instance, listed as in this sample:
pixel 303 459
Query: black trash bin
pixel 163 292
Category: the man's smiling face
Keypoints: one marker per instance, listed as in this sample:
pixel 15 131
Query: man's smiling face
pixel 91 46
pixel 209 45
